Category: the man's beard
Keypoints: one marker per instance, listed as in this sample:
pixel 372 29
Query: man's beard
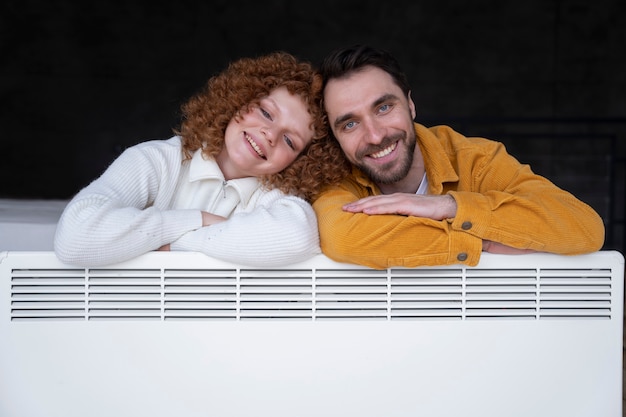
pixel 391 172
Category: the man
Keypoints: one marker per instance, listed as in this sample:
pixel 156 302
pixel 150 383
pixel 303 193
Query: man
pixel 430 196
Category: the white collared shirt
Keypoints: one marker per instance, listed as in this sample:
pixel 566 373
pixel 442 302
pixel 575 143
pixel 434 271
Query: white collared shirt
pixel 423 188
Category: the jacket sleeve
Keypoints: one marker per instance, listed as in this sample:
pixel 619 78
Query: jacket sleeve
pixel 516 207
pixel 381 241
pixel 114 218
pixel 279 230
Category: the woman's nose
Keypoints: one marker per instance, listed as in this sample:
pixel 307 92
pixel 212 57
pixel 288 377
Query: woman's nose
pixel 269 136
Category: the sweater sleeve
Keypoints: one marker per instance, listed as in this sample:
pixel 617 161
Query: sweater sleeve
pixel 279 230
pixel 115 218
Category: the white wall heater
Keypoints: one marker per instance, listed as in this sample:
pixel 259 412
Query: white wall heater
pixel 184 335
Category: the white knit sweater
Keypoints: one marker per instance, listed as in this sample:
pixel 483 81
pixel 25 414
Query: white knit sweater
pixel 150 197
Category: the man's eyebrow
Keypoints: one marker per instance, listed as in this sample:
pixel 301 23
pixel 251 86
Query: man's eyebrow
pixel 383 98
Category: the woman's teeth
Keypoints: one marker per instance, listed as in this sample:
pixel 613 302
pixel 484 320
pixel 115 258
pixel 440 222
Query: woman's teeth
pixel 255 146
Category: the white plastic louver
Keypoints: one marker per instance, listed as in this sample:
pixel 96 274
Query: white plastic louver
pixel 315 293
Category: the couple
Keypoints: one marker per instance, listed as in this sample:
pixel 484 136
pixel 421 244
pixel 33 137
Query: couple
pixel 270 136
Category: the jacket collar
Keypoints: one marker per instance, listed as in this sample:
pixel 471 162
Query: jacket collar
pixel 439 169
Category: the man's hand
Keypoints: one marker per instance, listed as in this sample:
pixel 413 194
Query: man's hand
pixel 495 247
pixel 436 207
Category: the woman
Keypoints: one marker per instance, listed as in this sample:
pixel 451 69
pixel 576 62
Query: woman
pixel 221 186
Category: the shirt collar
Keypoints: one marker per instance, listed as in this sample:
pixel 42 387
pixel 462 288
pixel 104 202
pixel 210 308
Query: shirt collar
pixel 201 169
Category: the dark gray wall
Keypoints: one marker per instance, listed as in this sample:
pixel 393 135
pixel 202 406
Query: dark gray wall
pixel 81 80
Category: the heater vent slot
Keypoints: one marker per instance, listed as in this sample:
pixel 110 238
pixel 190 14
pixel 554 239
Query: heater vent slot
pixel 567 293
pixel 446 293
pixel 501 293
pixel 275 294
pixel 200 294
pixel 426 293
pixel 48 294
pixel 354 294
pixel 117 294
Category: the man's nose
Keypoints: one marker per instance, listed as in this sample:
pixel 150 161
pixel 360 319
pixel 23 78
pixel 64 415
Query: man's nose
pixel 375 132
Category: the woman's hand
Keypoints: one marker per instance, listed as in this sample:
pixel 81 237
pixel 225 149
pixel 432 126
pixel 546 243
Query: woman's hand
pixel 208 219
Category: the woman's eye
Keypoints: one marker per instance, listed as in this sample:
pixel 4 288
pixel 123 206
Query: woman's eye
pixel 265 114
pixel 289 143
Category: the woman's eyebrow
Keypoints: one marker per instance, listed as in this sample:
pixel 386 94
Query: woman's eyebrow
pixel 268 101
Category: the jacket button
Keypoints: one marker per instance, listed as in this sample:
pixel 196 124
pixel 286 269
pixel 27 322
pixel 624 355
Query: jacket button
pixel 461 256
pixel 466 225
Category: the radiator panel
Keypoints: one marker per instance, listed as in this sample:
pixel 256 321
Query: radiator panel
pixel 182 334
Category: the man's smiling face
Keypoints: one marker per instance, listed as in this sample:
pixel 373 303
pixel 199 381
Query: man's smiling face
pixel 373 121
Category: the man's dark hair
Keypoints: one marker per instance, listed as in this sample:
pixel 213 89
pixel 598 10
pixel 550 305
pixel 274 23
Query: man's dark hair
pixel 342 62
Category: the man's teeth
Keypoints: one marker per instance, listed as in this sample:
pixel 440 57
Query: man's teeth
pixel 255 146
pixel 385 151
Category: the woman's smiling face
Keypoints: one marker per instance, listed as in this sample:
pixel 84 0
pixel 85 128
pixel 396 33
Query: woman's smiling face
pixel 268 138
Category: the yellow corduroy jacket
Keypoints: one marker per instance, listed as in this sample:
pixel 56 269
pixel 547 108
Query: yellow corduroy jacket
pixel 498 199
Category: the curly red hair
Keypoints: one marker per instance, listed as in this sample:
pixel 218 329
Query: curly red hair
pixel 243 84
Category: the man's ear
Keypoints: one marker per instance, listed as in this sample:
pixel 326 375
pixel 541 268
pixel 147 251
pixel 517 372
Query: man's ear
pixel 411 105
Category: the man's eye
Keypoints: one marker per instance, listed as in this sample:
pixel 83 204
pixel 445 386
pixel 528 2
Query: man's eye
pixel 385 108
pixel 349 125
